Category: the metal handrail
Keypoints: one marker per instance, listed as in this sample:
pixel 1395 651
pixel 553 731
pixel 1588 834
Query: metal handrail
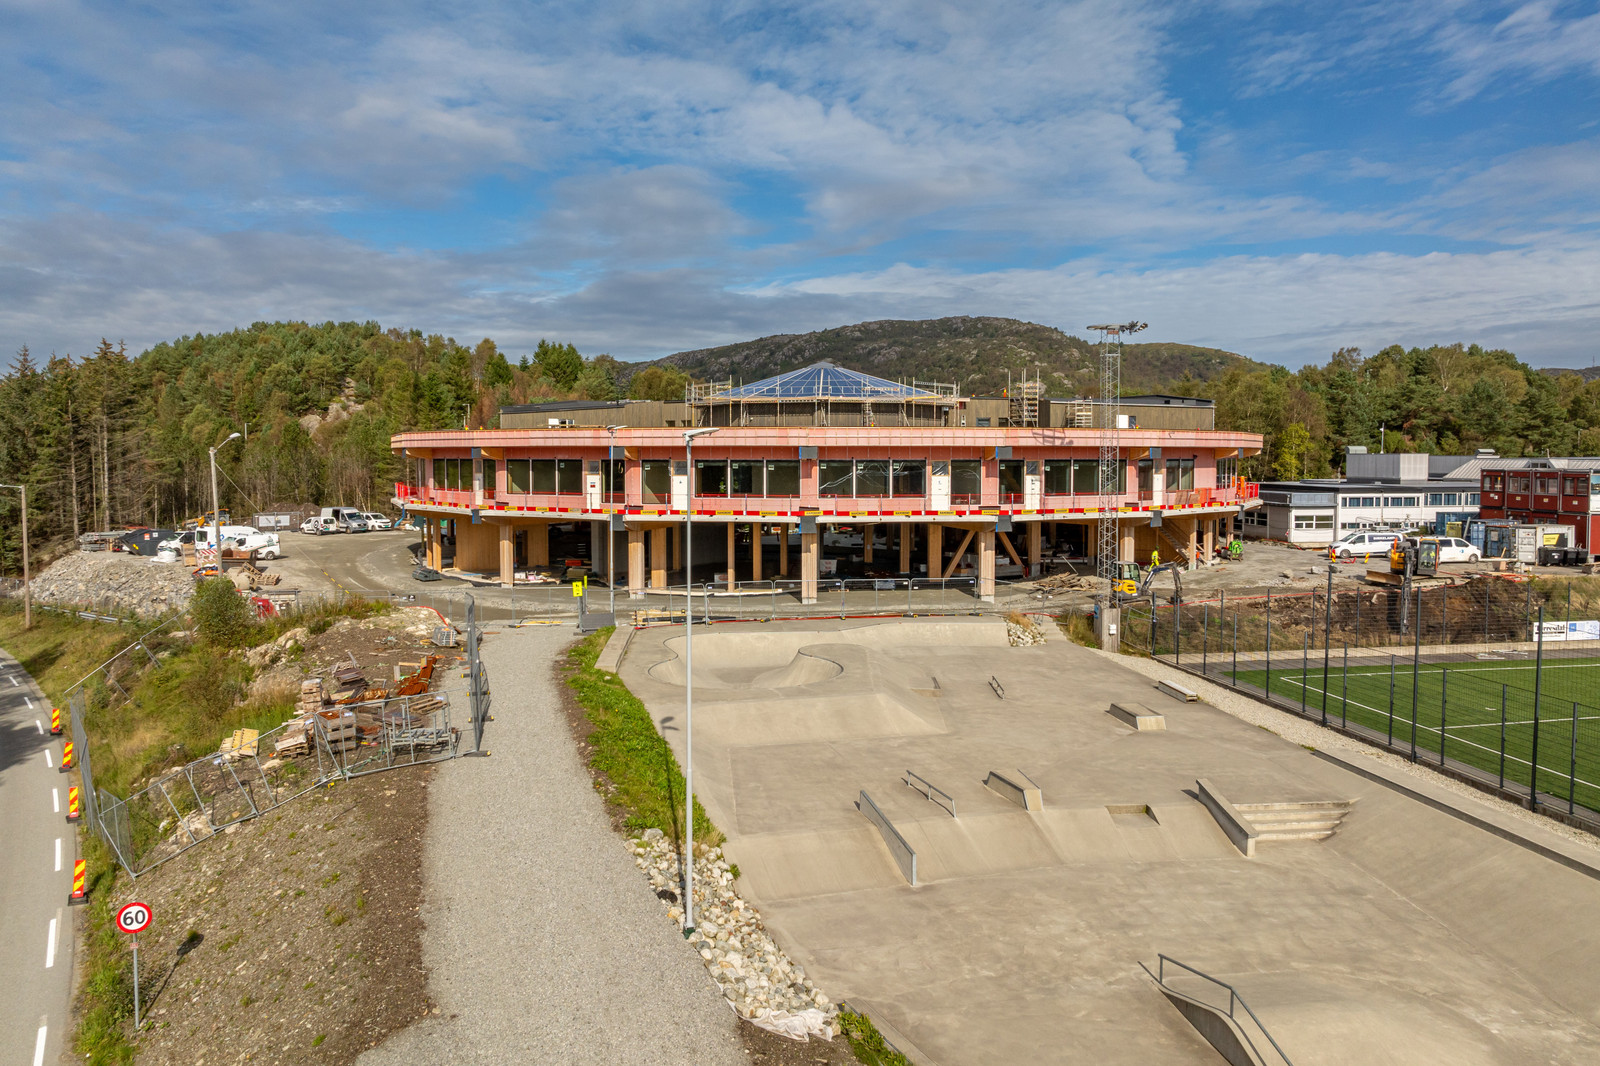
pixel 928 788
pixel 1233 997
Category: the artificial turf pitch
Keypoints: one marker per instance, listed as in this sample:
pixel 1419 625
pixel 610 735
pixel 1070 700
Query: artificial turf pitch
pixel 1479 708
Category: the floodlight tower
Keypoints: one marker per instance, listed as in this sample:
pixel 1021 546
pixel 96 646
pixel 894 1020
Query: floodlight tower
pixel 1109 420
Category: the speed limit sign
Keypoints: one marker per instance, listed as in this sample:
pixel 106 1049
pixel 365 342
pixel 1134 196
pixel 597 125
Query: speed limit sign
pixel 133 917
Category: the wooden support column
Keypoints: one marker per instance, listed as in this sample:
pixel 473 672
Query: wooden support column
pixel 658 557
pixel 755 551
pixel 869 532
pixel 1194 545
pixel 1035 548
pixel 677 547
pixel 986 564
pixel 636 571
pixel 1124 541
pixel 935 551
pixel 733 544
pixel 810 563
pixel 507 555
pixel 539 544
pixel 1211 541
pixel 903 534
pixel 783 550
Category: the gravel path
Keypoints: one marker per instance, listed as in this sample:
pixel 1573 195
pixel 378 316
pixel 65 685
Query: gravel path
pixel 1296 729
pixel 543 942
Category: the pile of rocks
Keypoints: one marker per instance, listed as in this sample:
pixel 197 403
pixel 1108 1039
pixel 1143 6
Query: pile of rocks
pixel 115 584
pixel 753 973
pixel 1023 633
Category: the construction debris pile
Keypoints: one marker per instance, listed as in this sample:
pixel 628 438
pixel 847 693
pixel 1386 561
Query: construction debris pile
pixel 357 713
pixel 1022 632
pixel 759 982
pixel 114 583
pixel 1068 582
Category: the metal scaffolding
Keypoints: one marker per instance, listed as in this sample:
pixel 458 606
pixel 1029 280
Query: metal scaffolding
pixel 1111 472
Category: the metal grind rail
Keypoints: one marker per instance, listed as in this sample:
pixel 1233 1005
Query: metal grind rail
pixel 1234 1000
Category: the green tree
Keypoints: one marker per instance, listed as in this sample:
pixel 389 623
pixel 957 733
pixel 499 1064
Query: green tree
pixel 658 383
pixel 1291 450
pixel 221 616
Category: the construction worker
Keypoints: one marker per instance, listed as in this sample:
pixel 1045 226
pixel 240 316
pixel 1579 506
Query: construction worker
pixel 1155 558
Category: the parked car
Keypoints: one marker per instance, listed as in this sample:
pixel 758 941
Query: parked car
pixel 377 521
pixel 1367 542
pixel 1456 550
pixel 319 526
pixel 352 522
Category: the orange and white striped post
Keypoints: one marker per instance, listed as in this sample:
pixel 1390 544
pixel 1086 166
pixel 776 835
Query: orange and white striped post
pixel 66 756
pixel 72 804
pixel 55 721
pixel 80 876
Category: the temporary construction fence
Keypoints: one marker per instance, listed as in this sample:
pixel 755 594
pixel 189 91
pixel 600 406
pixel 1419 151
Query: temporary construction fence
pixel 1496 681
pixel 254 772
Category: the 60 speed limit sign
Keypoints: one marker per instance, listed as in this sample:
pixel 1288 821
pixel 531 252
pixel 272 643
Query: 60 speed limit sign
pixel 133 917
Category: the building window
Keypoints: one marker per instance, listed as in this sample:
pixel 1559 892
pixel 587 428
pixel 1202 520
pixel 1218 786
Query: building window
pixel 1085 477
pixel 1519 483
pixel 1494 482
pixel 1472 498
pixel 517 476
pixel 872 477
pixel 1256 517
pixel 569 475
pixel 1594 483
pixel 966 479
pixel 1227 471
pixel 783 477
pixel 1010 477
pixel 1435 499
pixel 836 477
pixel 711 477
pixel 1411 501
pixel 489 484
pixel 744 478
pixel 910 477
pixel 1057 477
pixel 1147 480
pixel 1313 521
pixel 1452 499
pixel 1180 475
pixel 655 477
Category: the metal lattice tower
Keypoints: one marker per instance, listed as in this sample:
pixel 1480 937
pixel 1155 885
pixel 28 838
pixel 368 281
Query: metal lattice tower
pixel 1109 419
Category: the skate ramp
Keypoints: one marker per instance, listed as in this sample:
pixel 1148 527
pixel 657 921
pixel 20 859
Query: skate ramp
pixel 854 716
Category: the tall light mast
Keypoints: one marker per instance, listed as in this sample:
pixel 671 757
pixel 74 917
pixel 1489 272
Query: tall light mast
pixel 1109 418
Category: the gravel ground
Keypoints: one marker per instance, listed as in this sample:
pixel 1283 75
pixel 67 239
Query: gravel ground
pixel 1300 731
pixel 543 943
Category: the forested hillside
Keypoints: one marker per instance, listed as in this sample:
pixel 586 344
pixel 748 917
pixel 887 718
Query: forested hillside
pixel 114 439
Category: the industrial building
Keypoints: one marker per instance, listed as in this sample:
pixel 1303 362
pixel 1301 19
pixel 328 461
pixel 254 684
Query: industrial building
pixel 1392 491
pixel 820 472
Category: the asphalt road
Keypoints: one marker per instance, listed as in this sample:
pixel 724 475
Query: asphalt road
pixel 38 847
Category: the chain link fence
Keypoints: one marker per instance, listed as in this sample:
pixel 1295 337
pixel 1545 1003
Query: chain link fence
pixel 1496 681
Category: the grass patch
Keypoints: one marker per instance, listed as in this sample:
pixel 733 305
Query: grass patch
pixel 106 1000
pixel 867 1043
pixel 646 780
pixel 1078 628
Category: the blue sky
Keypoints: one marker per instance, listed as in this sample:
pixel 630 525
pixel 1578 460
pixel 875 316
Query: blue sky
pixel 1279 179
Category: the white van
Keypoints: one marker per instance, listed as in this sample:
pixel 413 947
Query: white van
pixel 248 538
pixel 1367 542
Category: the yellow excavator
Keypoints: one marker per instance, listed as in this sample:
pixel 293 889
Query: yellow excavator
pixel 1130 585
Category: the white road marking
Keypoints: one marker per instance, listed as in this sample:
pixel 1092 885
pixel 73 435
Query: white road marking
pixel 40 725
pixel 38 1046
pixel 29 701
pixel 50 948
pixel 47 760
pixel 12 680
pixel 58 854
pixel 55 799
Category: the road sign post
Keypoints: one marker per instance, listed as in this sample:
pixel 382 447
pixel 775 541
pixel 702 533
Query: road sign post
pixel 133 918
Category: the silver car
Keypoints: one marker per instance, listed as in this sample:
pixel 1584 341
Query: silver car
pixel 377 521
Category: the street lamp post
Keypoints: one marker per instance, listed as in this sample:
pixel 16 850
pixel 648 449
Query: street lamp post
pixel 216 508
pixel 688 679
pixel 611 534
pixel 27 587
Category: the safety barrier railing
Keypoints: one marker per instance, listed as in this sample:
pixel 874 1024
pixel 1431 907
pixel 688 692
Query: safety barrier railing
pixel 1234 1001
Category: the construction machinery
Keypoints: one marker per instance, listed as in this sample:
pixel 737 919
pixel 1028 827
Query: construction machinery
pixel 1409 559
pixel 1130 586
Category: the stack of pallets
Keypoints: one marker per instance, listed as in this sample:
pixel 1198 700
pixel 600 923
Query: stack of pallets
pixel 242 743
pixel 341 730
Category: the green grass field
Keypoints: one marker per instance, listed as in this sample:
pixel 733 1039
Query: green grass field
pixel 1477 707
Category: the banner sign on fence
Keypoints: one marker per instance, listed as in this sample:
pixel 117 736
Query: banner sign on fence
pixel 1554 631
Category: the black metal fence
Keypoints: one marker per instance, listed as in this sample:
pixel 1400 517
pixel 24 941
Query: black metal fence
pixel 1496 681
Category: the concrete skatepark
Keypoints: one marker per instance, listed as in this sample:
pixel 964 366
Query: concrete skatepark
pixel 1386 931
